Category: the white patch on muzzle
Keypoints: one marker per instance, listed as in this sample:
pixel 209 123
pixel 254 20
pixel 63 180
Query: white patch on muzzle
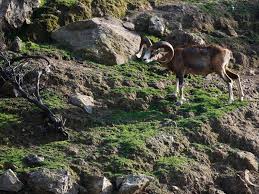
pixel 146 57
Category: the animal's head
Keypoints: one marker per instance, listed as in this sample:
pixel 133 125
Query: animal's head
pixel 162 51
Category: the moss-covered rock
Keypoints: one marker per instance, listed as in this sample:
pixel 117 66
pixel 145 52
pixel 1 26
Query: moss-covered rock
pixel 41 28
pixel 115 8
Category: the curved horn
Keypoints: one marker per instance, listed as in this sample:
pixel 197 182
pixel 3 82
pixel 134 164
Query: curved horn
pixel 168 47
pixel 145 43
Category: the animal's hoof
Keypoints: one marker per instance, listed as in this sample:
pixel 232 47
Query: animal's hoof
pixel 179 103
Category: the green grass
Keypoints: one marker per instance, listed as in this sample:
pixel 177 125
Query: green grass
pixel 121 138
pixel 53 100
pixel 67 3
pixel 31 47
pixel 130 138
pixel 54 154
pixel 173 164
pixel 7 119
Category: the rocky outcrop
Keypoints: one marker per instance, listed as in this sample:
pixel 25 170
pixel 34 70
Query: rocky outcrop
pixel 15 13
pixel 244 160
pixel 51 181
pixel 103 40
pixel 182 39
pixel 97 185
pixel 83 101
pixel 156 26
pixel 10 182
pixel 132 183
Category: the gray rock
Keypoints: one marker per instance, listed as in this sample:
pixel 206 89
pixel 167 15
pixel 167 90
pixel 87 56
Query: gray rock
pixel 7 90
pixel 161 144
pixel 10 182
pixel 244 160
pixel 181 39
pixel 34 160
pixel 128 25
pixel 16 44
pixel 17 12
pixel 103 40
pixel 219 34
pixel 215 191
pixel 157 85
pixel 132 183
pixel 51 181
pixel 83 101
pixel 156 26
pixel 97 185
pixel 241 59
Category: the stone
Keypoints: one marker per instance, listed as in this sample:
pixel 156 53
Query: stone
pixel 83 101
pixel 97 185
pixel 10 182
pixel 103 40
pixel 157 85
pixel 219 34
pixel 234 184
pixel 244 160
pixel 73 150
pixel 188 15
pixel 161 144
pixel 17 12
pixel 182 39
pixel 17 44
pixel 34 160
pixel 7 90
pixel 227 25
pixel 241 59
pixel 156 26
pixel 132 183
pixel 128 25
pixel 51 181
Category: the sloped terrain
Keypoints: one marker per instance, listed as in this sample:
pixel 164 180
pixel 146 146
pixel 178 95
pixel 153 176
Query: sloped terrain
pixel 204 146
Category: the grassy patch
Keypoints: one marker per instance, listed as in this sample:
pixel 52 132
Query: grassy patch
pixel 7 119
pixel 67 3
pixel 53 100
pixel 31 47
pixel 130 138
pixel 54 154
pixel 172 163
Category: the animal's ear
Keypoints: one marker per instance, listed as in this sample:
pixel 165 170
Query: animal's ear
pixel 144 44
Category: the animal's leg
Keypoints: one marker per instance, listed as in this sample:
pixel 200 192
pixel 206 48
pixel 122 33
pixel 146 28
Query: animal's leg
pixel 177 87
pixel 229 81
pixel 181 86
pixel 237 78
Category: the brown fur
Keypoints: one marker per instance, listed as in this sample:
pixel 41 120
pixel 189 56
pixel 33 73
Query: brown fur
pixel 199 60
pixel 203 60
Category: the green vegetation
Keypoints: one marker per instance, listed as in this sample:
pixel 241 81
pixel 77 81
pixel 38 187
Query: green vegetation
pixel 54 154
pixel 7 119
pixel 53 100
pixel 174 163
pixel 120 138
pixel 31 47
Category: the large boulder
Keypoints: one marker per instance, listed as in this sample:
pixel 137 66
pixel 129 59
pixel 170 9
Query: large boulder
pixel 10 182
pixel 15 13
pixel 51 181
pixel 181 38
pixel 97 184
pixel 132 183
pixel 104 40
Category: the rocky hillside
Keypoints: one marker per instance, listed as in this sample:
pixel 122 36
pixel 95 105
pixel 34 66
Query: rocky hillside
pixel 127 133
